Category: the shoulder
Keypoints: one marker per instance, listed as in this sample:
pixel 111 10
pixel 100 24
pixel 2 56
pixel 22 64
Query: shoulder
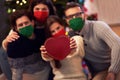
pixel 100 25
pixel 78 39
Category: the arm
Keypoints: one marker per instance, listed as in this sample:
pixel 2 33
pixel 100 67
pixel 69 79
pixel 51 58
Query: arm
pixel 105 33
pixel 110 76
pixel 12 36
pixel 79 45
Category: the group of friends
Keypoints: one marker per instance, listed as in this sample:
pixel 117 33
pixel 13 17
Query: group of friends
pixel 23 55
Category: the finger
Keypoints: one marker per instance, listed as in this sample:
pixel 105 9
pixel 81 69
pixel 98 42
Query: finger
pixel 42 48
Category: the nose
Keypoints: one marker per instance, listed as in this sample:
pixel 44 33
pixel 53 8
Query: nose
pixel 24 25
pixel 56 31
pixel 74 17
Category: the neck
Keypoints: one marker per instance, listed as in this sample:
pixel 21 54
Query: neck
pixel 32 36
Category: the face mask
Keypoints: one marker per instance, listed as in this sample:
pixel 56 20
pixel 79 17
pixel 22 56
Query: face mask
pixel 61 32
pixel 76 23
pixel 26 31
pixel 41 16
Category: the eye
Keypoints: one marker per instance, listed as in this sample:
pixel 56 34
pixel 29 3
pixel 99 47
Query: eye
pixel 26 23
pixel 52 31
pixel 20 25
pixel 58 28
pixel 44 9
pixel 37 8
pixel 74 15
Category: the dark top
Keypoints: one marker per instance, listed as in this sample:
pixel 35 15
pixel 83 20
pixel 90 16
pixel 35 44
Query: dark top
pixel 23 47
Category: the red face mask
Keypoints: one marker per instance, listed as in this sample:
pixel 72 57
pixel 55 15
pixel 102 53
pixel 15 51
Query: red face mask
pixel 61 32
pixel 41 16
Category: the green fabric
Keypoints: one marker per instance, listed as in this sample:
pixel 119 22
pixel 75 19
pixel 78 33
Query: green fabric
pixel 76 23
pixel 26 31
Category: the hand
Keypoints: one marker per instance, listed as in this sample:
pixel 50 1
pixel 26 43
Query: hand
pixel 12 36
pixel 110 76
pixel 44 53
pixel 72 43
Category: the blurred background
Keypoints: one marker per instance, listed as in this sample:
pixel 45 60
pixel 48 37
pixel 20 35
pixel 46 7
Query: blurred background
pixel 105 10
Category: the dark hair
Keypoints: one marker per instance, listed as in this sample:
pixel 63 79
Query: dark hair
pixel 46 2
pixel 50 20
pixel 71 5
pixel 17 14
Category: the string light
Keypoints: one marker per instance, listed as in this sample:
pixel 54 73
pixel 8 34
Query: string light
pixel 9 10
pixel 17 2
pixel 24 1
pixel 21 3
pixel 13 10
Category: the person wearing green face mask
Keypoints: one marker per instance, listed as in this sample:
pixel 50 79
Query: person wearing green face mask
pixel 23 53
pixel 27 31
pixel 101 44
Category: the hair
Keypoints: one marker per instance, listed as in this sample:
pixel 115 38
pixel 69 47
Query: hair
pixel 46 2
pixel 72 5
pixel 17 14
pixel 50 20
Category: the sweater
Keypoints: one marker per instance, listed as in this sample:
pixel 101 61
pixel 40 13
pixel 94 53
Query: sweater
pixel 71 68
pixel 102 46
pixel 23 46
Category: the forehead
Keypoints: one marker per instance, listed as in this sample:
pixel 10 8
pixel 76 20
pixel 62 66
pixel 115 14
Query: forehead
pixel 73 10
pixel 22 20
pixel 41 6
pixel 55 25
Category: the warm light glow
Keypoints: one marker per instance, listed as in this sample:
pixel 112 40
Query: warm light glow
pixel 9 10
pixel 17 2
pixel 24 1
pixel 54 0
pixel 14 10
pixel 21 3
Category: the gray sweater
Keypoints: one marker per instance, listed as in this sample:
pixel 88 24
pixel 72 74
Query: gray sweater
pixel 102 46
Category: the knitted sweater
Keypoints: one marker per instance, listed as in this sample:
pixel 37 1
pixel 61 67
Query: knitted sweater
pixel 102 46
pixel 71 68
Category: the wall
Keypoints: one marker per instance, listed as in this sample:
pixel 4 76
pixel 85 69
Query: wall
pixel 108 11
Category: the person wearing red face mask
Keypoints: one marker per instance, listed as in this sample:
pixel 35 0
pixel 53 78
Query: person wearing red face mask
pixel 68 68
pixel 40 10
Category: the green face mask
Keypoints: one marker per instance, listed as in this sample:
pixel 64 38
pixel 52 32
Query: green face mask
pixel 26 31
pixel 76 23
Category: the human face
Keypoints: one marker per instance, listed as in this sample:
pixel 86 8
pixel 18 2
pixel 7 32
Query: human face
pixel 55 28
pixel 40 7
pixel 73 13
pixel 23 22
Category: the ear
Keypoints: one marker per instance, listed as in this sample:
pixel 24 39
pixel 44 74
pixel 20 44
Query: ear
pixel 67 21
pixel 84 16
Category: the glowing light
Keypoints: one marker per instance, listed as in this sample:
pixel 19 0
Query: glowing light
pixel 21 3
pixel 13 10
pixel 54 0
pixel 9 10
pixel 17 2
pixel 24 1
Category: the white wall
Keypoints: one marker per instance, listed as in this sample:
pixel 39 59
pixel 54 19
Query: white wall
pixel 108 11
